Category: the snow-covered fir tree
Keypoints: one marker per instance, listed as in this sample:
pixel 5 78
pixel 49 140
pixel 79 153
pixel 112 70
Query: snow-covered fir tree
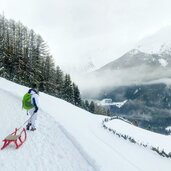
pixel 76 95
pixel 25 59
pixel 67 92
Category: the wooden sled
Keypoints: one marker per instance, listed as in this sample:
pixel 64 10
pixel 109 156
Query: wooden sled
pixel 17 139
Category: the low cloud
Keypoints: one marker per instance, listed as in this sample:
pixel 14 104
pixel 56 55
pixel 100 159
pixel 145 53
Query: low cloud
pixel 94 83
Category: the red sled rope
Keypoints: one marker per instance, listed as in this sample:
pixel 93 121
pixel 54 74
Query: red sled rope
pixel 17 139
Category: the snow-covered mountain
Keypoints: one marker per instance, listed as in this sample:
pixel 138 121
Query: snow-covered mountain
pixel 71 139
pixel 157 43
pixel 150 60
pixel 80 68
pixel 136 58
pixel 134 67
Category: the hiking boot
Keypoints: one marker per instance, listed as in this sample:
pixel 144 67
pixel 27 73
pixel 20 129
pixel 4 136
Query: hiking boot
pixel 33 129
pixel 28 126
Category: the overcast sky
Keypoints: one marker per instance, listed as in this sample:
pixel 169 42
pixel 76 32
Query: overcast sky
pixel 81 30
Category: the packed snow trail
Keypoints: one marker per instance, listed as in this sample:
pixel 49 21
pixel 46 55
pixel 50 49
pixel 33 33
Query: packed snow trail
pixel 48 148
pixel 86 127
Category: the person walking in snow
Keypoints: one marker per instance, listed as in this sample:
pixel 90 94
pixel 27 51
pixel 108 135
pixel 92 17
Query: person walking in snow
pixel 33 112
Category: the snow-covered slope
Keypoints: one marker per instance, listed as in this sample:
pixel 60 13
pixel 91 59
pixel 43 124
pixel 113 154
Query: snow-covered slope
pixel 141 136
pixel 49 148
pixel 69 139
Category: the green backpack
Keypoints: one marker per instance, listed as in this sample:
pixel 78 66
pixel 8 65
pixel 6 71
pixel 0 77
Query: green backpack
pixel 27 101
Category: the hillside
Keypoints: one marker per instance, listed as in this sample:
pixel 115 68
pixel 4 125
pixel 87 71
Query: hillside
pixel 71 139
pixel 149 104
pixel 142 77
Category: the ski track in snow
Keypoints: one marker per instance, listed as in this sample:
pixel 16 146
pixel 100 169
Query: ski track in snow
pixel 115 151
pixel 48 148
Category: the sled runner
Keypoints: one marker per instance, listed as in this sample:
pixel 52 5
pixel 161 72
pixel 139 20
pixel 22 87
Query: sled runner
pixel 17 139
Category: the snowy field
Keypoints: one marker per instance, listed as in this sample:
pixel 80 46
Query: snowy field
pixel 70 139
pixel 163 142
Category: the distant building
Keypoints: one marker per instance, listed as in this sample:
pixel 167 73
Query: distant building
pixel 106 101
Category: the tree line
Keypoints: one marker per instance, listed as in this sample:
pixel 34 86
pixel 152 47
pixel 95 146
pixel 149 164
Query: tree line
pixel 25 59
